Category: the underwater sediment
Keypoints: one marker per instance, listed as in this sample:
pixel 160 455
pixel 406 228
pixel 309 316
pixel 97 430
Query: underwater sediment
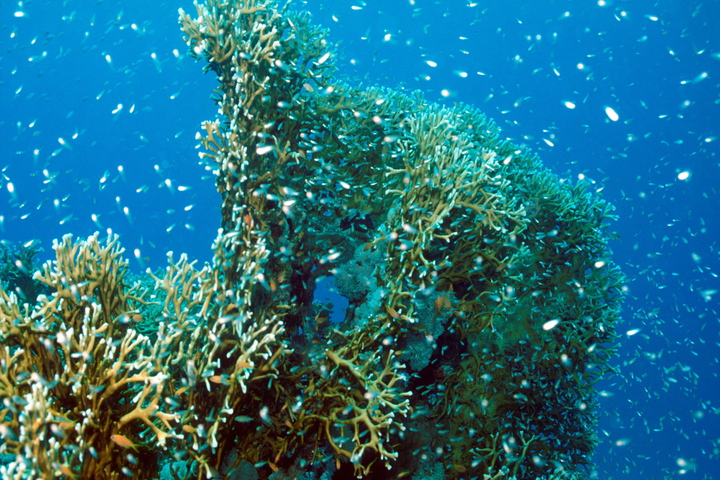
pixel 482 296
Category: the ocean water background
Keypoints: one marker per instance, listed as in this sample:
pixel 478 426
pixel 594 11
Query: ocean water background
pixel 99 107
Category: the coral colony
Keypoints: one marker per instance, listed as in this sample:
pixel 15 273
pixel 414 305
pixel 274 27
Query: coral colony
pixel 482 300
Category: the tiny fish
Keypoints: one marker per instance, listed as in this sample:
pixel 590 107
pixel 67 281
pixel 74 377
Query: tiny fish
pixel 65 470
pixel 123 441
pixel 323 59
pixel 220 379
pixel 439 304
pixel 182 390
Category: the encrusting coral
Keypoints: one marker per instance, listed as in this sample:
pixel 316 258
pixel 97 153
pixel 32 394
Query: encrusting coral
pixel 488 276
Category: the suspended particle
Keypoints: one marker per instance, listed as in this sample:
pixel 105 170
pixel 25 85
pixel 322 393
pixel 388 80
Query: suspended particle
pixel 700 77
pixel 156 62
pixel 286 207
pixel 549 325
pixel 323 59
pixel 685 465
pixel 141 261
pixel 10 188
pixel 64 143
pixel 265 414
pixel 126 211
pixel 708 294
pixel 96 220
pixel 612 114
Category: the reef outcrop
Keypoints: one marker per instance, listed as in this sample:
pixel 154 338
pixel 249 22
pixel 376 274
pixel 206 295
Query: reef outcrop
pixel 482 297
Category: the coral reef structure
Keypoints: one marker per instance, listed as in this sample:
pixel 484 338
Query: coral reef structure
pixel 17 266
pixel 482 299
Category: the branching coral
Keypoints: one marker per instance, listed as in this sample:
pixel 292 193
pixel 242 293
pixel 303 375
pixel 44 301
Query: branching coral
pixel 457 214
pixel 492 275
pixel 17 265
pixel 74 372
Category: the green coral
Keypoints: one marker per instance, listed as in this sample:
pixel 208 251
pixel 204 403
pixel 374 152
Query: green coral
pixel 455 213
pixel 17 266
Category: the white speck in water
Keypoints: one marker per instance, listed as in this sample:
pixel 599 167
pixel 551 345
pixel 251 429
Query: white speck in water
pixel 549 325
pixel 684 175
pixel 612 114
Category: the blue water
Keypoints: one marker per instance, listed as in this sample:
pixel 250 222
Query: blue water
pixel 97 134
